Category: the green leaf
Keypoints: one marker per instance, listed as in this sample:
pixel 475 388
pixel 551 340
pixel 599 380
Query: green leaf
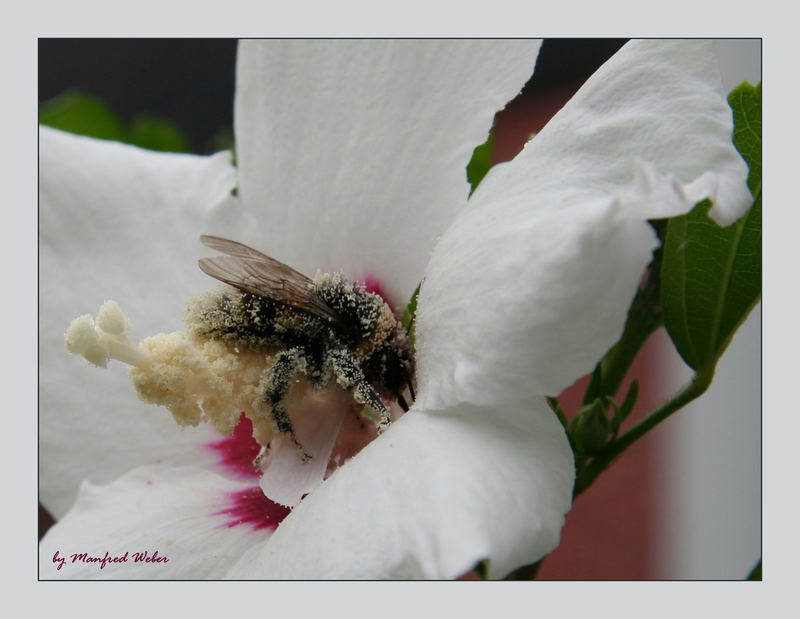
pixel 409 315
pixel 158 134
pixel 84 114
pixel 755 574
pixel 482 569
pixel 411 308
pixel 480 163
pixel 556 407
pixel 711 276
pixel 745 100
pixel 222 140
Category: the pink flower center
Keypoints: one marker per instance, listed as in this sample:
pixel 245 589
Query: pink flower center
pixel 251 507
pixel 237 452
pixel 373 284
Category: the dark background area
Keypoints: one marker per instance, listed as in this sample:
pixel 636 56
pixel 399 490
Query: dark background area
pixel 188 81
pixel 191 81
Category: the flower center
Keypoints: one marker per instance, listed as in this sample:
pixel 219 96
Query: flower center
pixel 306 389
pixel 251 507
pixel 237 453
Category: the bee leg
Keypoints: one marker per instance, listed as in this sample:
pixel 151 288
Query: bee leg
pixel 278 381
pixel 410 386
pixel 365 394
pixel 350 376
pixel 402 402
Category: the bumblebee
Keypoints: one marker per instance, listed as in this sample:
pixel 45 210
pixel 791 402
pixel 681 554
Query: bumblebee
pixel 327 329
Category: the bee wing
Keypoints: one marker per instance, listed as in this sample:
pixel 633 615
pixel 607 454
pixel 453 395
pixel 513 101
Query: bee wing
pixel 232 248
pixel 251 271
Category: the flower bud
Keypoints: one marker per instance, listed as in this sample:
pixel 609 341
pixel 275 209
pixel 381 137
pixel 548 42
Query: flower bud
pixel 590 429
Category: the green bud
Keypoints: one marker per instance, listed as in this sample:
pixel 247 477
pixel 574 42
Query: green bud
pixel 590 429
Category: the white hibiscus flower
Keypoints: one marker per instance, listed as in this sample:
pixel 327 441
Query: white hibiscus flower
pixel 351 158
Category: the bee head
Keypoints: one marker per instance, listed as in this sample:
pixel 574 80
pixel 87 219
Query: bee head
pixel 391 368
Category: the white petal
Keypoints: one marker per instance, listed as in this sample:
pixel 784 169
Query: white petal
pixel 352 154
pixel 121 223
pixel 187 515
pixel 531 285
pixel 432 496
pixel 288 478
pixel 530 305
pixel 651 126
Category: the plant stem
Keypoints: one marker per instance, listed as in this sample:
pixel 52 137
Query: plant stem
pixel 644 317
pixel 692 391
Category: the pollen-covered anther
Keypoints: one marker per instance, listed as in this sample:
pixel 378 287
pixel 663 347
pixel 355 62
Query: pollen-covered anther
pixel 111 319
pixel 194 377
pixel 105 339
pixel 198 379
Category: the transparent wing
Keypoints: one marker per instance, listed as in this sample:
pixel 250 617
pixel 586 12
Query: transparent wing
pixel 232 248
pixel 251 271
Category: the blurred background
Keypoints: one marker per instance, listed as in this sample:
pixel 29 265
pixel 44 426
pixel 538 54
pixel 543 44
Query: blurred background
pixel 684 502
